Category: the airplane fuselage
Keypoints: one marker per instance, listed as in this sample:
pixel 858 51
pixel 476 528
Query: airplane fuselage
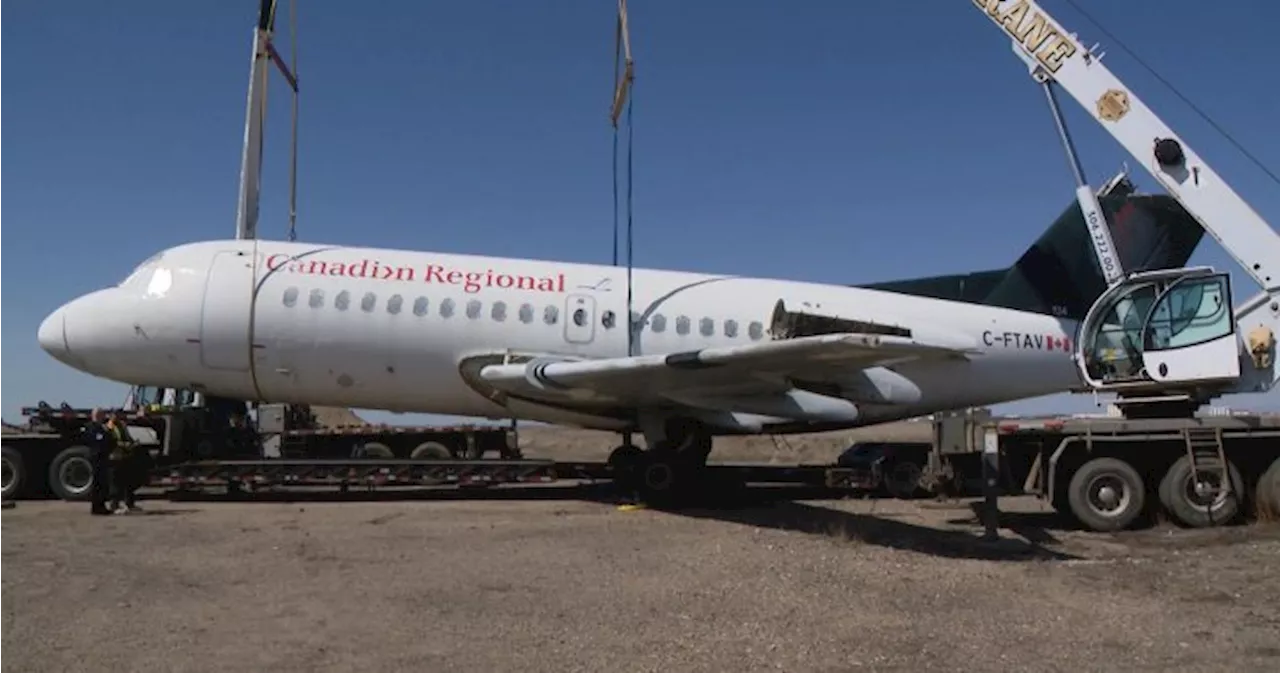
pixel 388 329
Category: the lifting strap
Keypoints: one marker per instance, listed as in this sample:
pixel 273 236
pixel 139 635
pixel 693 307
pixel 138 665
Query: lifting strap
pixel 621 48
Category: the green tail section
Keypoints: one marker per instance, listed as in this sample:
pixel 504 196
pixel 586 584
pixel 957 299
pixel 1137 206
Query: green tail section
pixel 1059 274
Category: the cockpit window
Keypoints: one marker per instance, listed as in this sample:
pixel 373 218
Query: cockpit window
pixel 142 268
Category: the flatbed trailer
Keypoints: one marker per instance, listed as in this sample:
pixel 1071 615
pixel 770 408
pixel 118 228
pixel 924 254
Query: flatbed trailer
pixel 48 457
pixel 1106 472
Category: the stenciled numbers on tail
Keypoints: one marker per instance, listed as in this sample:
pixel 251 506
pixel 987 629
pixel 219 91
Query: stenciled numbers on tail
pixel 224 320
pixel 579 318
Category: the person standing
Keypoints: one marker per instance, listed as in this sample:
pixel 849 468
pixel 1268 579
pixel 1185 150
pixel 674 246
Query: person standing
pixel 124 466
pixel 98 438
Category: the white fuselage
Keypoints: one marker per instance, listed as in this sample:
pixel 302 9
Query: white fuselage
pixel 387 329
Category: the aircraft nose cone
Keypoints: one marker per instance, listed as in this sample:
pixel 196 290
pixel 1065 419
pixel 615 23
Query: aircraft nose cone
pixel 52 335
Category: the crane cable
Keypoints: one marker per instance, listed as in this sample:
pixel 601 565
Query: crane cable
pixel 623 76
pixel 293 151
pixel 1169 85
pixel 290 73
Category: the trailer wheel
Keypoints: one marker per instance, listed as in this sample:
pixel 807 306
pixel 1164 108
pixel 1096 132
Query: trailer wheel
pixel 14 473
pixel 1106 494
pixel 376 450
pixel 71 474
pixel 431 451
pixel 1181 499
pixel 1267 494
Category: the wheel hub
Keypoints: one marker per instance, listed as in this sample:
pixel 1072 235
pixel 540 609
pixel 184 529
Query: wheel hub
pixel 76 475
pixel 658 476
pixel 1108 496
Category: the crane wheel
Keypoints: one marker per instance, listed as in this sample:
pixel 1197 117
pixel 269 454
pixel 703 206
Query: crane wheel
pixel 1106 494
pixel 1266 495
pixel 1178 495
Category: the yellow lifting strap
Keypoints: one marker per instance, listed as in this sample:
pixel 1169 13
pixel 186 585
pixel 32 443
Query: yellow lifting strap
pixel 622 48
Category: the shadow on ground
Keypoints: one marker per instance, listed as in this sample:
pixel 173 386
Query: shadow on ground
pixel 762 506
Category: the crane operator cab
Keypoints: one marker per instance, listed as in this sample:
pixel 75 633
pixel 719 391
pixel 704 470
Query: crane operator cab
pixel 1161 328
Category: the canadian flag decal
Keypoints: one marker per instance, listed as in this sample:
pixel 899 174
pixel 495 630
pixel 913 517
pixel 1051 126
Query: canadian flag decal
pixel 1053 342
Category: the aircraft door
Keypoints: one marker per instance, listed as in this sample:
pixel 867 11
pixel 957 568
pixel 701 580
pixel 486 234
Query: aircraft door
pixel 580 318
pixel 225 313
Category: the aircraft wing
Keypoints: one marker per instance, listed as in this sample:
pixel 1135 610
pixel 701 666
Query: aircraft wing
pixel 750 369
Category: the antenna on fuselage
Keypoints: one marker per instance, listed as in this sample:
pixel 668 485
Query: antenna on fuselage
pixel 255 120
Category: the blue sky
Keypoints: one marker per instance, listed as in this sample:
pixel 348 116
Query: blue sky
pixel 834 142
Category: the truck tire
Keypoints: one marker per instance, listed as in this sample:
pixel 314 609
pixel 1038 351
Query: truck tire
pixel 14 477
pixel 377 451
pixel 1266 496
pixel 71 474
pixel 1179 501
pixel 1106 494
pixel 431 451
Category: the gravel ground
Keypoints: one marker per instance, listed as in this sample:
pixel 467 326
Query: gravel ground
pixel 561 579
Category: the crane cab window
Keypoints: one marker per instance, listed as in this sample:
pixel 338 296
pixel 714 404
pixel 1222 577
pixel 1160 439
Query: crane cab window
pixel 1193 311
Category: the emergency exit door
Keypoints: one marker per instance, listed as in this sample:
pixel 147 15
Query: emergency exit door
pixel 225 313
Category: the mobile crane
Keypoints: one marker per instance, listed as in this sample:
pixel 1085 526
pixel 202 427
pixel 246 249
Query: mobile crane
pixel 1168 340
pixel 1165 341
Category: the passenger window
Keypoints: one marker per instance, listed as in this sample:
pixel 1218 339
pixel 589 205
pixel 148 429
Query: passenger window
pixel 473 309
pixel 368 301
pixel 682 325
pixel 499 312
pixel 755 330
pixel 342 300
pixel 609 319
pixel 731 328
pixel 317 299
pixel 446 308
pixel 394 303
pixel 291 297
pixel 526 313
pixel 551 315
pixel 580 317
pixel 420 306
pixel 659 322
pixel 707 326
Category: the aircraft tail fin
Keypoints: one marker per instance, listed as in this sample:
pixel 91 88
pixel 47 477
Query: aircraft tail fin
pixel 1059 274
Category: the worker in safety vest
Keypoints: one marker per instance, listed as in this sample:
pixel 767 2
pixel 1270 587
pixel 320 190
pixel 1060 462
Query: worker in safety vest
pixel 100 441
pixel 124 466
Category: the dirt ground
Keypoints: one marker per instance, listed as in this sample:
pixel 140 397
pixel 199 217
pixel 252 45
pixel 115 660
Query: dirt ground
pixel 562 579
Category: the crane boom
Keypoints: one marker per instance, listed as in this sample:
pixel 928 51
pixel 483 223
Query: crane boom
pixel 1173 330
pixel 1055 54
